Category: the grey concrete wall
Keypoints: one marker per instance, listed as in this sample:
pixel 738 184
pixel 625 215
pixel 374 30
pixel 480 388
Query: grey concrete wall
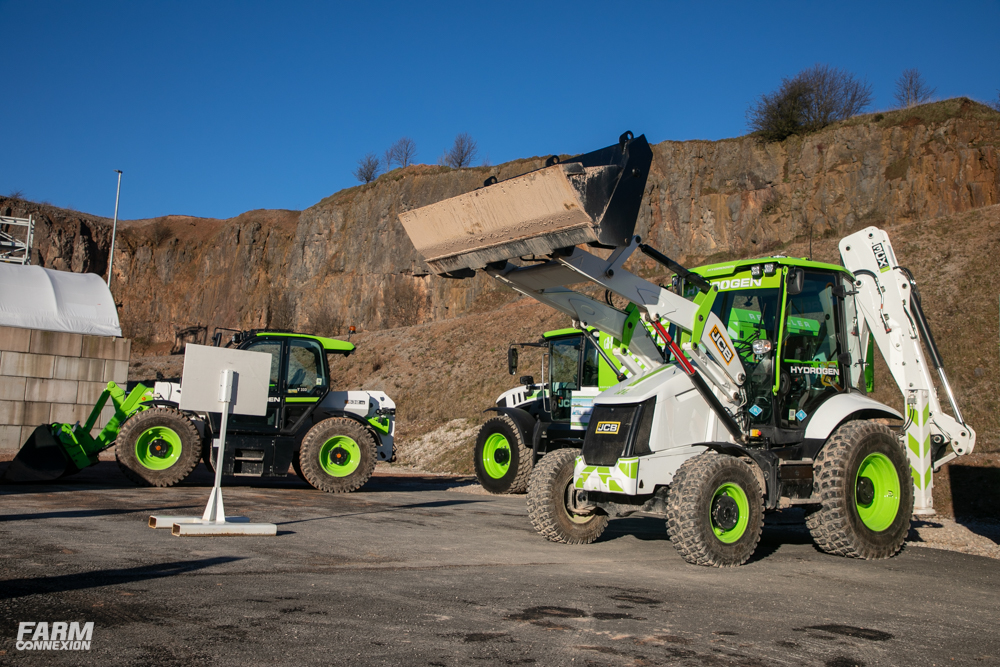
pixel 49 376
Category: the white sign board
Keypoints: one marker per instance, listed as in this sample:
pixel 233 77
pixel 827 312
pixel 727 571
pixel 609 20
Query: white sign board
pixel 203 366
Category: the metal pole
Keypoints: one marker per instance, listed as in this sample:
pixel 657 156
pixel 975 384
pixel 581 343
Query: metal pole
pixel 114 227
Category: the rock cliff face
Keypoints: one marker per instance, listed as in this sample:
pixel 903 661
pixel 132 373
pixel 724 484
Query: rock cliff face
pixel 347 260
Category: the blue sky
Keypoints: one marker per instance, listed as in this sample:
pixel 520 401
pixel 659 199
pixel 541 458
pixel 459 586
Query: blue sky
pixel 215 108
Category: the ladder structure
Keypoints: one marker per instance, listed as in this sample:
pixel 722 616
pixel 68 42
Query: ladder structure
pixel 15 239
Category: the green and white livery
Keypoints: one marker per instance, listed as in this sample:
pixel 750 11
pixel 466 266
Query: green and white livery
pixel 753 395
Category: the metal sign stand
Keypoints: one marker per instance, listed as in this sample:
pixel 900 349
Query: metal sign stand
pixel 214 520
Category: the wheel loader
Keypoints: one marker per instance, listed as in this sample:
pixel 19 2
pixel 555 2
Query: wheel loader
pixel 332 439
pixel 759 400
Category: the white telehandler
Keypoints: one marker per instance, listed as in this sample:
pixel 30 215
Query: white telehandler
pixel 756 400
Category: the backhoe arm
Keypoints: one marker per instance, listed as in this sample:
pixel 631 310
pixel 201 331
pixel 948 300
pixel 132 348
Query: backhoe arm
pixel 888 300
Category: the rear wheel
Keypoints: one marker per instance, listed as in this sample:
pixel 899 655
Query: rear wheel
pixel 862 478
pixel 502 458
pixel 158 447
pixel 715 512
pixel 337 455
pixel 550 502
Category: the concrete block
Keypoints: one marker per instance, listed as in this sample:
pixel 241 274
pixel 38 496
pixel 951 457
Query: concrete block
pixel 72 368
pixel 36 414
pixel 12 388
pixel 50 391
pixel 123 349
pixel 11 413
pixel 116 371
pixel 56 342
pixel 98 347
pixel 10 437
pixel 89 392
pixel 26 365
pixel 69 414
pixel 13 339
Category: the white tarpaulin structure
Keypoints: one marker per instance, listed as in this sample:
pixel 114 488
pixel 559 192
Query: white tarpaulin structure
pixel 35 298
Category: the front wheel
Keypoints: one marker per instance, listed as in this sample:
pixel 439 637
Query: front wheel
pixel 715 511
pixel 863 480
pixel 158 447
pixel 337 455
pixel 550 502
pixel 502 458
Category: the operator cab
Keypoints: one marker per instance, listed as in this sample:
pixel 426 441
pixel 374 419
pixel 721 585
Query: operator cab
pixel 794 324
pixel 299 381
pixel 573 372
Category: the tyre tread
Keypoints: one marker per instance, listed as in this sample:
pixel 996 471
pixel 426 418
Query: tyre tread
pixel 830 524
pixel 542 509
pixel 314 474
pixel 135 425
pixel 685 515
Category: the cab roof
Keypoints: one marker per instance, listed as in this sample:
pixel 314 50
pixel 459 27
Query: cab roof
pixel 729 268
pixel 329 344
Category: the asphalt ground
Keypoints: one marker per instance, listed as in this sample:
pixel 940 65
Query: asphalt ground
pixel 412 570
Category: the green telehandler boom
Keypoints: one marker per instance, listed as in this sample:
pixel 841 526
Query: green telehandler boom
pixel 57 450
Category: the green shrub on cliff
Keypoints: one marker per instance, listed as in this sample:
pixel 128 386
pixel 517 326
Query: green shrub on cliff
pixel 809 101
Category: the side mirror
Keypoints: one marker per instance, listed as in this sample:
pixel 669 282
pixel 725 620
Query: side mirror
pixel 527 380
pixel 511 360
pixel 796 280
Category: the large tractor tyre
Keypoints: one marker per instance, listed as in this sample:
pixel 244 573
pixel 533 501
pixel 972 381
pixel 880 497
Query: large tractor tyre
pixel 158 447
pixel 863 481
pixel 550 506
pixel 715 511
pixel 337 455
pixel 502 458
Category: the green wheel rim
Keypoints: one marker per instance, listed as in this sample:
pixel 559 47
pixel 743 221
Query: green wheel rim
pixel 496 443
pixel 884 507
pixel 158 448
pixel 740 497
pixel 339 456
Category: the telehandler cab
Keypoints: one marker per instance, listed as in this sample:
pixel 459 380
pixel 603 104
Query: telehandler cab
pixel 758 401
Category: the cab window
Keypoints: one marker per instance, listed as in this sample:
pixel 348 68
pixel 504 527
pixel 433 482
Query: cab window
pixel 564 375
pixel 305 368
pixel 591 364
pixel 810 349
pixel 749 315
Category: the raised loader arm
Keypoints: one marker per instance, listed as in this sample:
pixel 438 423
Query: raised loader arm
pixel 594 199
pixel 889 302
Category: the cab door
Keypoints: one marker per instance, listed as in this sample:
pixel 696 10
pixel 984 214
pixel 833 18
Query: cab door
pixel 306 379
pixel 271 422
pixel 299 378
pixel 813 349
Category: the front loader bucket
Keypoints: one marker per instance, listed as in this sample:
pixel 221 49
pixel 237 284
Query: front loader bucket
pixel 592 198
pixel 41 459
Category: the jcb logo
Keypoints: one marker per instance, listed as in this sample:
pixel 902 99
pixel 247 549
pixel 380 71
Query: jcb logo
pixel 881 256
pixel 721 344
pixel 608 427
pixel 564 403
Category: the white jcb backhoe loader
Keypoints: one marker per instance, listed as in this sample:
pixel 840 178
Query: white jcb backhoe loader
pixel 755 397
